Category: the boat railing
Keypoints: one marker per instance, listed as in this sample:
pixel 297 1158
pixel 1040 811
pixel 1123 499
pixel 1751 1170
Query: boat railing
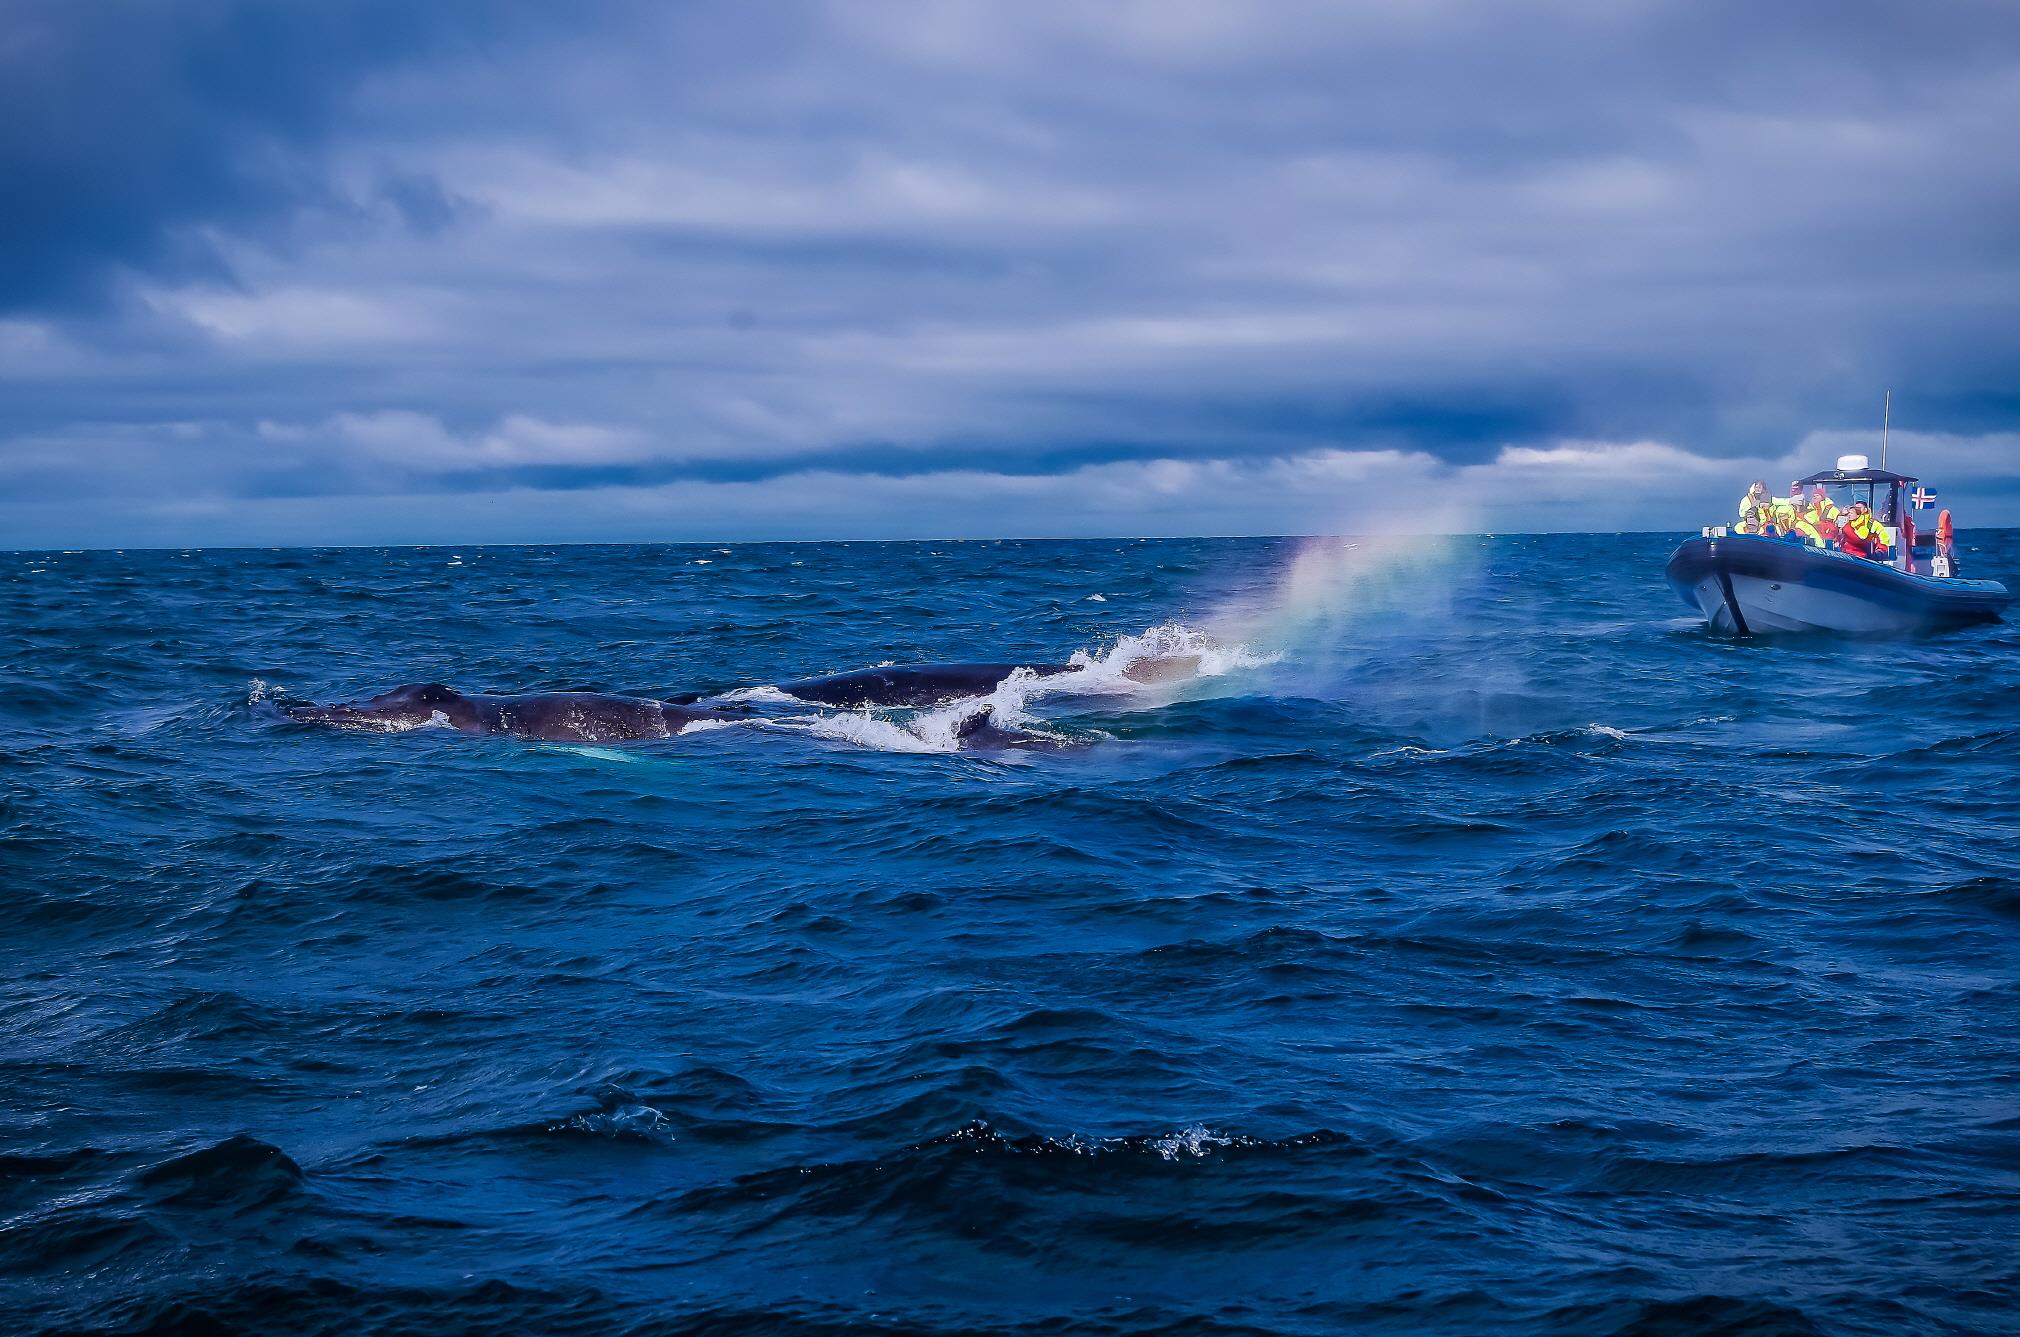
pixel 1926 558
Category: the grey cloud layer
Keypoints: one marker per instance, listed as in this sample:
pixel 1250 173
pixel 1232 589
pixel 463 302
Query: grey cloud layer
pixel 626 261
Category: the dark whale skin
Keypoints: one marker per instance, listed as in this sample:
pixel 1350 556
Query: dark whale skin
pixel 570 717
pixel 910 684
pixel 981 733
pixel 580 717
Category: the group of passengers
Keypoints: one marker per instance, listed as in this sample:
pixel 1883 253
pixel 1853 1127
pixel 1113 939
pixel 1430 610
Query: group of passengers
pixel 1818 521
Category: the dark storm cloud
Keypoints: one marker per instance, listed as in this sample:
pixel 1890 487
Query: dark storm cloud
pixel 468 251
pixel 125 122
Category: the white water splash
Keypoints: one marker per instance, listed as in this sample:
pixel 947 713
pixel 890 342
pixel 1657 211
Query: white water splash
pixel 709 726
pixel 1410 750
pixel 1197 1141
pixel 764 696
pixel 1170 657
pixel 863 729
pixel 639 1121
pixel 1153 667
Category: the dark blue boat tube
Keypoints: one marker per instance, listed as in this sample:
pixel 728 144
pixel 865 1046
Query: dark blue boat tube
pixel 1747 585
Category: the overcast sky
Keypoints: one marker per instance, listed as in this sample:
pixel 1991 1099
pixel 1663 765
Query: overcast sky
pixel 461 272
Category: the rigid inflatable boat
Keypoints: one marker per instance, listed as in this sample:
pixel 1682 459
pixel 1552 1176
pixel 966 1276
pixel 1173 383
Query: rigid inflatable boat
pixel 1762 584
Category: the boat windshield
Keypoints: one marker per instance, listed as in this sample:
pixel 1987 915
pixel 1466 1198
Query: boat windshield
pixel 1842 495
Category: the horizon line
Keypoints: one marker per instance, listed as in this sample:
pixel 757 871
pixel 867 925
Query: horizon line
pixel 750 543
pixel 747 543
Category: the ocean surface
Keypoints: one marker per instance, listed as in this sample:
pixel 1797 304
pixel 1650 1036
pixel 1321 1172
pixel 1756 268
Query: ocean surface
pixel 1472 944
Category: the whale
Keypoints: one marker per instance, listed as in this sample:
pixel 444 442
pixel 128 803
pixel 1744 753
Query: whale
pixel 909 684
pixel 981 733
pixel 938 684
pixel 606 717
pixel 583 717
pixel 570 717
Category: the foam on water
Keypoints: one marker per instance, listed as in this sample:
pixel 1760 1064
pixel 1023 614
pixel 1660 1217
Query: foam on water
pixel 764 695
pixel 1100 672
pixel 710 726
pixel 599 753
pixel 864 729
pixel 1197 1142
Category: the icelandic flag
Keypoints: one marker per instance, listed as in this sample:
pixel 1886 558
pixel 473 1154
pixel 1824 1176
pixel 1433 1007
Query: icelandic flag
pixel 1923 497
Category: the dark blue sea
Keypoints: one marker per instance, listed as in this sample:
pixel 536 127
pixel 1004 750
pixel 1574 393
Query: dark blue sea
pixel 1471 944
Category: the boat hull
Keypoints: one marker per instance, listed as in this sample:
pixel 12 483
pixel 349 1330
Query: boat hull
pixel 1749 586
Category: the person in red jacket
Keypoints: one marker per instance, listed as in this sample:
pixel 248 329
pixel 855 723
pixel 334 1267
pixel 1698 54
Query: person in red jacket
pixel 1862 536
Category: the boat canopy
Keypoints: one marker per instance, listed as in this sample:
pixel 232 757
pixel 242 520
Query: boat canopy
pixel 1833 477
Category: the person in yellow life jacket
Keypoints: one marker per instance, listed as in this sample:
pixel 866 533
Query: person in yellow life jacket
pixel 1756 499
pixel 1753 520
pixel 1783 519
pixel 1862 534
pixel 1822 508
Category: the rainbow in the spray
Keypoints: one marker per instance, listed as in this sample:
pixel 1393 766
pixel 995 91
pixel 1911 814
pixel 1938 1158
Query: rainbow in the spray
pixel 1334 587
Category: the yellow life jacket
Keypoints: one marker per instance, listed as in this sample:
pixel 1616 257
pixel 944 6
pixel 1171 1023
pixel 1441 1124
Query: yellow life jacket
pixel 1820 511
pixel 1868 528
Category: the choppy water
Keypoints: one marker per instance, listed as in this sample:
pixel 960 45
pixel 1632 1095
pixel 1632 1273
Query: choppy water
pixel 1486 949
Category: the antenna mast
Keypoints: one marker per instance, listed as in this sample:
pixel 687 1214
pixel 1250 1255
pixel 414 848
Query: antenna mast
pixel 1886 421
